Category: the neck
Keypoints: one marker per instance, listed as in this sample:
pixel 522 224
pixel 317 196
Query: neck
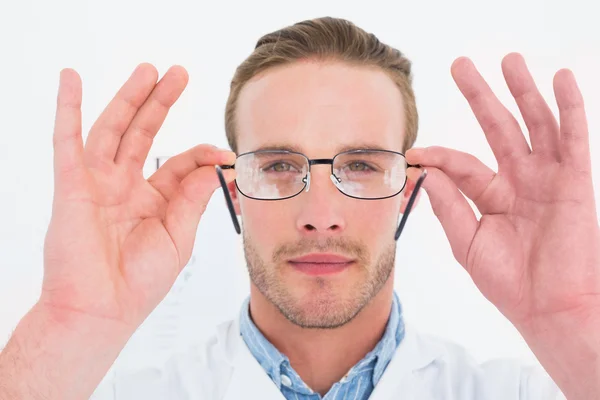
pixel 323 356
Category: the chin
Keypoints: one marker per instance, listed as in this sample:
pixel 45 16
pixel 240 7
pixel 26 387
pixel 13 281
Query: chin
pixel 319 306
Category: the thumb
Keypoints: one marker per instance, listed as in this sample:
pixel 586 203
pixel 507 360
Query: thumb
pixel 452 210
pixel 69 171
pixel 187 206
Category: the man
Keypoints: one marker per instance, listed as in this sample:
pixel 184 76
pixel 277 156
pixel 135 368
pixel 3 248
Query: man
pixel 322 320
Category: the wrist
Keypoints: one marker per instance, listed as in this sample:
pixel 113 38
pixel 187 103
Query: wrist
pixel 59 354
pixel 568 346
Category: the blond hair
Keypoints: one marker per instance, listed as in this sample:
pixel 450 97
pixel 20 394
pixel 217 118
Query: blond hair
pixel 324 39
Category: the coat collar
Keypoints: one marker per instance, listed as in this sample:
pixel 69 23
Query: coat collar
pixel 249 380
pixel 271 359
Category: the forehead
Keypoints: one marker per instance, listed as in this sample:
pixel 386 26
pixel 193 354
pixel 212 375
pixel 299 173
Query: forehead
pixel 320 108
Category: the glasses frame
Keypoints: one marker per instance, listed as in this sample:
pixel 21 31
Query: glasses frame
pixel 322 161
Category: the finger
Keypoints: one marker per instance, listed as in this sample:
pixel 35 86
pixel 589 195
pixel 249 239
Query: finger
pixel 540 122
pixel 574 136
pixel 187 206
pixel 138 138
pixel 469 174
pixel 169 176
pixel 106 133
pixel 69 169
pixel 499 125
pixel 452 210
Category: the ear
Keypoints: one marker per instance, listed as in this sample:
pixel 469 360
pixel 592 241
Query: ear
pixel 233 192
pixel 407 192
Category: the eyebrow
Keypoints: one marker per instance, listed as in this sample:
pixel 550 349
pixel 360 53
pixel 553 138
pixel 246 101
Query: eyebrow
pixel 284 147
pixel 362 146
pixel 298 149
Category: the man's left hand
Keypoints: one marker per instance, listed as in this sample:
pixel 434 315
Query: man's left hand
pixel 535 251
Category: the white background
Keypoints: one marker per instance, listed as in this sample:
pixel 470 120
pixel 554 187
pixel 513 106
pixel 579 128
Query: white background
pixel 105 40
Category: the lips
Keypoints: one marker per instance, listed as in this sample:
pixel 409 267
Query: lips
pixel 321 264
pixel 321 258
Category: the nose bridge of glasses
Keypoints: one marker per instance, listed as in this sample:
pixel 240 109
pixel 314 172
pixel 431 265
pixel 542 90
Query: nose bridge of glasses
pixel 319 161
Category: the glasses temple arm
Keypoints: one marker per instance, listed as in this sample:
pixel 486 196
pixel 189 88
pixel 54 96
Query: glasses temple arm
pixel 228 200
pixel 236 224
pixel 411 201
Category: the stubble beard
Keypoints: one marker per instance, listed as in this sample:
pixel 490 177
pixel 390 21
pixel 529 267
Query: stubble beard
pixel 324 307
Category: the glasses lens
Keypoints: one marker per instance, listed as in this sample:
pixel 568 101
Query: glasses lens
pixel 271 175
pixel 370 174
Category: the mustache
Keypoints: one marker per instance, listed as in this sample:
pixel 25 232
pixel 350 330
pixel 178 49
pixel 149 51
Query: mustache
pixel 351 248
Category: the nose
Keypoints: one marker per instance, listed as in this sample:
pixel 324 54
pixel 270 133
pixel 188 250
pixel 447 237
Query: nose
pixel 321 209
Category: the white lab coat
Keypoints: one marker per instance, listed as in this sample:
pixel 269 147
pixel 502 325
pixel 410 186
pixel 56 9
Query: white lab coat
pixel 422 368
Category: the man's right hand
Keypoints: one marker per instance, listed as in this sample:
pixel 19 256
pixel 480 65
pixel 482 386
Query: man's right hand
pixel 116 241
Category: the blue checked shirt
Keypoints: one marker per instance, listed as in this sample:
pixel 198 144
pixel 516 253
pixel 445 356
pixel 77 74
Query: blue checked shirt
pixel 357 384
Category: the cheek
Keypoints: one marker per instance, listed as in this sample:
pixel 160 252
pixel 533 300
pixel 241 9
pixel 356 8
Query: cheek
pixel 266 223
pixel 375 220
pixel 269 224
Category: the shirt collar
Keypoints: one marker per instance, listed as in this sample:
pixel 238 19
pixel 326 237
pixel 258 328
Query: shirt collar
pixel 265 353
pixel 386 347
pixel 271 359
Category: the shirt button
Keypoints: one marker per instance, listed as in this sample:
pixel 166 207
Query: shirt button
pixel 286 381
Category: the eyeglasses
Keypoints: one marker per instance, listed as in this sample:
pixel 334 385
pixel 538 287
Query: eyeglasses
pixel 281 174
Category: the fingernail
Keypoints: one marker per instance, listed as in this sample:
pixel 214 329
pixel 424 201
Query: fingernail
pixel 413 173
pixel 230 175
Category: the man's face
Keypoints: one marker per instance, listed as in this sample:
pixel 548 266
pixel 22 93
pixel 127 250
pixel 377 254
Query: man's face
pixel 320 109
